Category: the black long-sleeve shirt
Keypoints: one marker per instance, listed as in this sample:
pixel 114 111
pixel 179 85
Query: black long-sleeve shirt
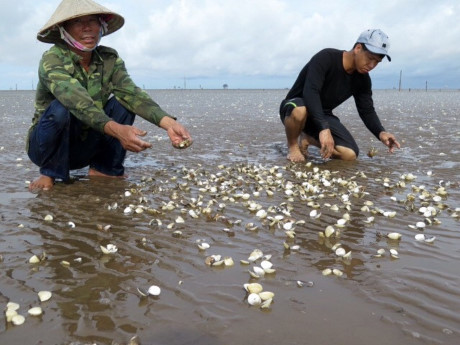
pixel 324 84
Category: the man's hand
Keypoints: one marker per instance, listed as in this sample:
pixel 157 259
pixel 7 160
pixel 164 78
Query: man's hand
pixel 179 136
pixel 327 143
pixel 128 136
pixel 389 140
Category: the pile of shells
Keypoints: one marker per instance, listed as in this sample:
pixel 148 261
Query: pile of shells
pixel 195 193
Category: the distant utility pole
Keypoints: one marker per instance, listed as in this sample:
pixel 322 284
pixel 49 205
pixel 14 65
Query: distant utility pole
pixel 400 77
pixel 426 86
pixel 185 83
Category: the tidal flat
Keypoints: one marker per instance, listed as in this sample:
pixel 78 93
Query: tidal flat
pixel 234 191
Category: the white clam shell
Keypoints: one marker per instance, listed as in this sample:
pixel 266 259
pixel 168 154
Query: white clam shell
pixel 18 320
pixel 266 264
pixel 49 218
pixel 261 214
pixel 253 287
pixel 265 295
pixel 34 259
pixel 337 272
pixel 394 235
pixel 9 314
pixel 228 261
pixel 258 271
pixel 254 299
pixel 44 295
pixel 109 249
pixel 340 251
pixel 420 225
pixel 12 306
pixel 154 290
pixel 203 245
pixel 35 311
pixel 329 231
pixel 266 304
pixel 255 255
pixel 420 237
pixel 288 225
pixel 326 272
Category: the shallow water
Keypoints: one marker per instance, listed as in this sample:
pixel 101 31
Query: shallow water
pixel 239 147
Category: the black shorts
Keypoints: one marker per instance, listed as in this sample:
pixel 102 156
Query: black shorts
pixel 341 135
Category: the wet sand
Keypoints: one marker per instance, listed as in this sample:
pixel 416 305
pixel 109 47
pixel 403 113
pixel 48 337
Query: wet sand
pixel 239 148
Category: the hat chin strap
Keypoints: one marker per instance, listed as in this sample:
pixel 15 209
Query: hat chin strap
pixel 74 43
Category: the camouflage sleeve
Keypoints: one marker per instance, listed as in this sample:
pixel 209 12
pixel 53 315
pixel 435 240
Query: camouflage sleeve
pixel 56 75
pixel 134 98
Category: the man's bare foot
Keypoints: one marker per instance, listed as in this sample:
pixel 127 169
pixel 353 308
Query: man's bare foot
pixel 295 155
pixel 41 183
pixel 94 172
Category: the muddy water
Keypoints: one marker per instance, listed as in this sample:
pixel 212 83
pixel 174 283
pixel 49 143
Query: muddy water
pixel 239 148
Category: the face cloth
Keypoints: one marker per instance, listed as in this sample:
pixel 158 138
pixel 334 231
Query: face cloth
pixel 74 43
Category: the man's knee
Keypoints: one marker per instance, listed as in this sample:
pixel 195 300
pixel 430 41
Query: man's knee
pixel 346 153
pixel 299 114
pixel 58 114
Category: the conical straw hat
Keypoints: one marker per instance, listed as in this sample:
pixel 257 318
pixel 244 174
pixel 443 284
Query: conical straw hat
pixel 69 9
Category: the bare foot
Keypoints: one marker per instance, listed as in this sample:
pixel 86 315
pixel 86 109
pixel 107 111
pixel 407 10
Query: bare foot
pixel 295 155
pixel 93 172
pixel 41 183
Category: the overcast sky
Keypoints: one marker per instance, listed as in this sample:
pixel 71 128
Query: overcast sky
pixel 248 43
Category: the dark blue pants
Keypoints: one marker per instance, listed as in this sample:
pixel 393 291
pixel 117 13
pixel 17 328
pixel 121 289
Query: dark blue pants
pixel 60 142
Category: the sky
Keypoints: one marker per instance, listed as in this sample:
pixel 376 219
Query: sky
pixel 259 44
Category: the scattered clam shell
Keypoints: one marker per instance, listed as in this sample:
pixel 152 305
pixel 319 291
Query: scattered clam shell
pixel 109 249
pixel 228 261
pixel 337 272
pixel 44 296
pixel 329 231
pixel 265 264
pixel 35 311
pixel 340 251
pixel 154 290
pixel 254 299
pixel 315 214
pixel 266 304
pixel 253 287
pixel 420 225
pixel 265 295
pixel 18 320
pixel 34 259
pixel 394 253
pixel 203 246
pixel 255 255
pixel 9 313
pixel 326 271
pixel 394 236
pixel 49 218
pixel 143 292
pixel 420 237
pixel 12 306
pixel 369 220
pixel 259 271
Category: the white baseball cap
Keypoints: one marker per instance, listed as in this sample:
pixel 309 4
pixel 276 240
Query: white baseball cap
pixel 376 41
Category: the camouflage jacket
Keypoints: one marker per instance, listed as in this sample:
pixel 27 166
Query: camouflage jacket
pixel 85 94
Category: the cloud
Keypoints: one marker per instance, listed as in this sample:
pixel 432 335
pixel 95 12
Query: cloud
pixel 267 41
